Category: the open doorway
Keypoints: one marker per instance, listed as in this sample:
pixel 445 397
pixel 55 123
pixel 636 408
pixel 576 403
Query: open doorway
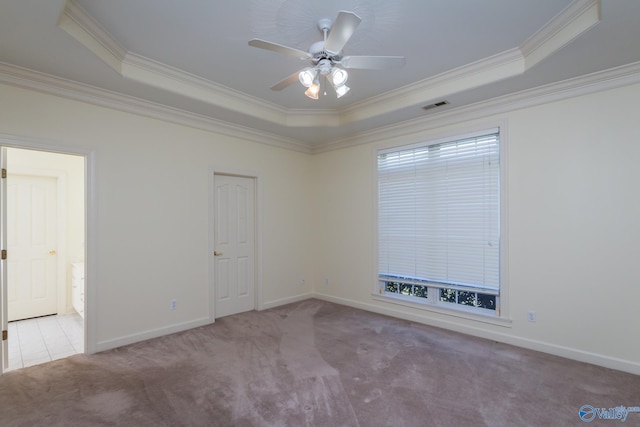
pixel 45 233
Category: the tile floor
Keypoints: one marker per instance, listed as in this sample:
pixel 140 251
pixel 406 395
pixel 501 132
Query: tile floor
pixel 43 339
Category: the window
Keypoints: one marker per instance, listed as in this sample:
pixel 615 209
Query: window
pixel 439 223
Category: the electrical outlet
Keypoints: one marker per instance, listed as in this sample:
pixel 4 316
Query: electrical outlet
pixel 532 316
pixel 326 281
pixel 173 304
pixel 302 281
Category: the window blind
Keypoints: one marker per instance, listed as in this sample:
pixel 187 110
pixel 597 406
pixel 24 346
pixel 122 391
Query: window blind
pixel 439 213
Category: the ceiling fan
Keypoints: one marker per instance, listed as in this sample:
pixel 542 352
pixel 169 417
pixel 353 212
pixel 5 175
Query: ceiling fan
pixel 326 57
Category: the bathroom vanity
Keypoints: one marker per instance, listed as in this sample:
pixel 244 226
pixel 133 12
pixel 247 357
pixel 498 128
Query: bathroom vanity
pixel 77 287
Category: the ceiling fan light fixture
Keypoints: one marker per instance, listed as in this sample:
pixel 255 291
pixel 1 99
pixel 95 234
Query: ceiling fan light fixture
pixel 313 90
pixel 307 76
pixel 339 76
pixel 327 59
pixel 342 90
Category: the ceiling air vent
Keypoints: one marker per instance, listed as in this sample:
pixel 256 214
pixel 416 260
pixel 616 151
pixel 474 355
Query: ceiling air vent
pixel 435 105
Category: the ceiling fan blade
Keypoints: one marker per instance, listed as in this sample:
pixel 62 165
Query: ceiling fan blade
pixel 373 62
pixel 341 31
pixel 286 81
pixel 263 44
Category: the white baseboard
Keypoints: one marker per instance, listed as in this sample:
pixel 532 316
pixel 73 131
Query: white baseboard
pixel 284 301
pixel 153 333
pixel 544 347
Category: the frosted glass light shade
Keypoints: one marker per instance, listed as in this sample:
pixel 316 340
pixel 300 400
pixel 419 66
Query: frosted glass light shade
pixel 313 91
pixel 306 76
pixel 341 90
pixel 339 76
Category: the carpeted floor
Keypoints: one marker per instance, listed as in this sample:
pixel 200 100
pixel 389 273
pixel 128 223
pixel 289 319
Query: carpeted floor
pixel 313 364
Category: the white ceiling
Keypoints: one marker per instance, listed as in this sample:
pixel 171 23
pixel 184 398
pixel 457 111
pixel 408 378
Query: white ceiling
pixel 192 55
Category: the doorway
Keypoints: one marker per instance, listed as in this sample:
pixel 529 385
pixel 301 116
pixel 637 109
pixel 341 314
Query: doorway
pixel 234 244
pixel 45 241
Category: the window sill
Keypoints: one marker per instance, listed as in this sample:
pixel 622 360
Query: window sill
pixel 454 311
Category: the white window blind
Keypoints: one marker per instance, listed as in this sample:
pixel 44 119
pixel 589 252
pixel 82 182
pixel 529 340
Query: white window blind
pixel 439 213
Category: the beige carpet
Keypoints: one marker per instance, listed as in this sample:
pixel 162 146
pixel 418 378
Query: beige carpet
pixel 313 364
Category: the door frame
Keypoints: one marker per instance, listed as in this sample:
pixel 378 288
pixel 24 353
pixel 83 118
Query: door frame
pixel 61 228
pixel 90 213
pixel 257 294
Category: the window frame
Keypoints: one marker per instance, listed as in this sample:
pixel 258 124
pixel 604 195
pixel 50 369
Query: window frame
pixel 432 303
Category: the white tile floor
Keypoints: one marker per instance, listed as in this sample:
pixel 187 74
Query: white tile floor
pixel 43 339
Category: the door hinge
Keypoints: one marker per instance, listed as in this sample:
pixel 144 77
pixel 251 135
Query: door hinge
pixel 5 335
pixel 4 254
pixel 4 173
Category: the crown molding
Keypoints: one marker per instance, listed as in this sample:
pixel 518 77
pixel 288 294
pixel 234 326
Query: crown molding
pixel 574 20
pixel 591 83
pixel 148 71
pixel 488 70
pixel 86 30
pixel 584 85
pixel 52 85
pixel 577 18
pixel 315 118
pixel 162 76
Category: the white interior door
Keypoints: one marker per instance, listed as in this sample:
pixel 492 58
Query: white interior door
pixel 31 242
pixel 234 243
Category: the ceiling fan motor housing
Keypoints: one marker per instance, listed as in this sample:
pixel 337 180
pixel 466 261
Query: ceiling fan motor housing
pixel 318 52
pixel 324 66
pixel 317 49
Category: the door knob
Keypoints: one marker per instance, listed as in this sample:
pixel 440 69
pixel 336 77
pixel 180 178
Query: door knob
pixel 52 252
pixel 216 253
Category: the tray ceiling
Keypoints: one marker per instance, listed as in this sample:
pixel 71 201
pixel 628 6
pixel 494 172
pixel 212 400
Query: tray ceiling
pixel 192 56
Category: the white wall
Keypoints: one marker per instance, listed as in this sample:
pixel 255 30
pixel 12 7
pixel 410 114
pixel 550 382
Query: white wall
pixel 574 235
pixel 152 219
